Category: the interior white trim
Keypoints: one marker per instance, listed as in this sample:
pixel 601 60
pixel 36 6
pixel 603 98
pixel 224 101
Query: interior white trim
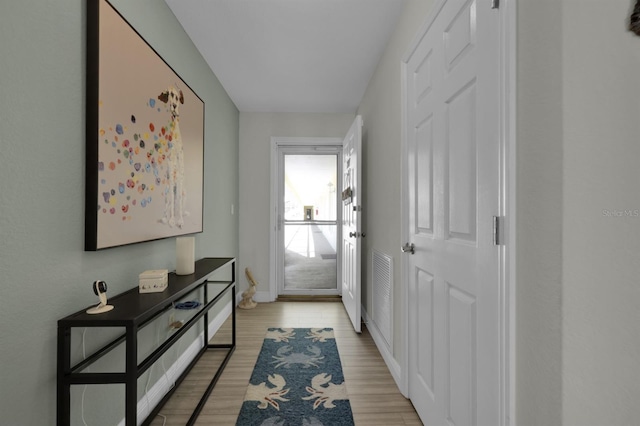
pixel 394 367
pixel 263 296
pixel 509 65
pixel 404 231
pixel 277 142
pixel 508 49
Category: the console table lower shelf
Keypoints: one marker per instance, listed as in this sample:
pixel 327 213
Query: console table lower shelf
pixel 133 311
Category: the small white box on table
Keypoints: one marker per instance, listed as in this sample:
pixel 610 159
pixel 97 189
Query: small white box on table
pixel 153 281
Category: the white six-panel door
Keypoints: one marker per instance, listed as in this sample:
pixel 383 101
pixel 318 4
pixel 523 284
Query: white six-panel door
pixel 351 223
pixel 452 116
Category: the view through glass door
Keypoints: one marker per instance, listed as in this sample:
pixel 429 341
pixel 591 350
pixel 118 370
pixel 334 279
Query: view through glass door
pixel 309 220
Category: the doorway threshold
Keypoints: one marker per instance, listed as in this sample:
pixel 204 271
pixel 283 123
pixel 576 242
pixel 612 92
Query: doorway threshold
pixel 309 298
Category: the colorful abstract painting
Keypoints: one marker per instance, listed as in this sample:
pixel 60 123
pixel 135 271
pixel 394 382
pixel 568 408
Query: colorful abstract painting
pixel 145 139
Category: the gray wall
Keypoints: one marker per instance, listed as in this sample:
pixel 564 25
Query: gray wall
pixel 578 221
pixel 46 275
pixel 539 213
pixel 578 230
pixel 601 214
pixel 382 149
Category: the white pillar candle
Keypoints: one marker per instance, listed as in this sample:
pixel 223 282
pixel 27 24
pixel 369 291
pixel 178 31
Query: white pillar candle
pixel 185 255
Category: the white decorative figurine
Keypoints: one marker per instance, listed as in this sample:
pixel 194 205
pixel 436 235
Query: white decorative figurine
pixel 247 296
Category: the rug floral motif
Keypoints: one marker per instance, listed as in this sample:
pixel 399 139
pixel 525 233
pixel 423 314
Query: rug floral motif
pixel 297 381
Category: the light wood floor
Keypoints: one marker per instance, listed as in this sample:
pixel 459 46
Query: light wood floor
pixel 374 396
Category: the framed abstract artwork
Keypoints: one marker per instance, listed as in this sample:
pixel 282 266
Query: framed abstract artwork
pixel 145 139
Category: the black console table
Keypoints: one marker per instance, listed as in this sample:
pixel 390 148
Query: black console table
pixel 133 311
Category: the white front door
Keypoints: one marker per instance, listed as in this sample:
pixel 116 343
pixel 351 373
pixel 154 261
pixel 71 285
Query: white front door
pixel 351 224
pixel 452 115
pixel 307 222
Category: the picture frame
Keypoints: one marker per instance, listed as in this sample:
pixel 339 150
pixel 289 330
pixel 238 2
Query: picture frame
pixel 145 139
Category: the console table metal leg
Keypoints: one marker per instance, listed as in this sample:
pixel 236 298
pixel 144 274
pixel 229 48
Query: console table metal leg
pixel 233 316
pixel 230 349
pixel 206 316
pixel 131 384
pixel 64 367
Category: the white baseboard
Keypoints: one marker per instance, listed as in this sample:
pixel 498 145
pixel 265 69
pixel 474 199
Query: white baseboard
pixel 384 349
pixel 262 297
pixel 154 395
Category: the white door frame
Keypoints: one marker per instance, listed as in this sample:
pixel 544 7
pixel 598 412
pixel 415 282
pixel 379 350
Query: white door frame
pixel 277 142
pixel 508 42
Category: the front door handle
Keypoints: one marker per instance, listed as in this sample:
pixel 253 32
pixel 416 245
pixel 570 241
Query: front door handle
pixel 408 248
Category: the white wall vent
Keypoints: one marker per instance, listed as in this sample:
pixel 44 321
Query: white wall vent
pixel 383 295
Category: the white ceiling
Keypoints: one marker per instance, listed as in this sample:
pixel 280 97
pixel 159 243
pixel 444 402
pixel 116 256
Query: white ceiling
pixel 291 55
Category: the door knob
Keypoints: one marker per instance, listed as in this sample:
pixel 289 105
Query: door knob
pixel 408 248
pixel 353 234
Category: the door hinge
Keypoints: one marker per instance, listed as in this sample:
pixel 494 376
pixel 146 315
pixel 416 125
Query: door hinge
pixel 495 4
pixel 497 234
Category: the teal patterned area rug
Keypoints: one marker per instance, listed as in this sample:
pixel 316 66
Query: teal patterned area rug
pixel 297 381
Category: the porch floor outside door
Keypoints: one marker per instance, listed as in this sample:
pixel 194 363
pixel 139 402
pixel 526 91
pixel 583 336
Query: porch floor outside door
pixel 310 260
